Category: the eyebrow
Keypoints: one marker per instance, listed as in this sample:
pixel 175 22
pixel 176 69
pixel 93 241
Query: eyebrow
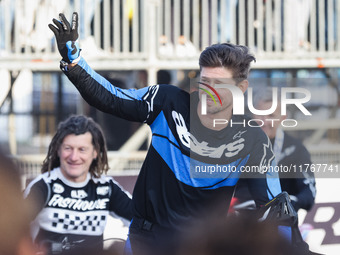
pixel 217 79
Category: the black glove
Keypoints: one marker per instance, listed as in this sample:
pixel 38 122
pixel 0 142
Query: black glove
pixel 66 37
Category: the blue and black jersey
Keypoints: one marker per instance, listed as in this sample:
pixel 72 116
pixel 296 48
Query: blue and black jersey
pixel 170 189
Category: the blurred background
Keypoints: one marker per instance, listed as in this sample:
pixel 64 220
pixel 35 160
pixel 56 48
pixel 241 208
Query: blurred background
pixel 136 43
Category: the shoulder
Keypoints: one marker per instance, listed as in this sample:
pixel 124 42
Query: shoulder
pixel 46 178
pixel 38 183
pixel 164 94
pixel 294 151
pixel 104 183
pixel 170 90
pixel 103 179
pixel 292 141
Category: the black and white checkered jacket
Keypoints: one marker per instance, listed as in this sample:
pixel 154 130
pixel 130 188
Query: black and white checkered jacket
pixel 74 212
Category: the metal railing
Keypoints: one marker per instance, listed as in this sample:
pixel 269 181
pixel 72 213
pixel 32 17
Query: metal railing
pixel 168 34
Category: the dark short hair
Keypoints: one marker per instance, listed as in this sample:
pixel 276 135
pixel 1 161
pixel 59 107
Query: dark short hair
pixel 77 125
pixel 234 57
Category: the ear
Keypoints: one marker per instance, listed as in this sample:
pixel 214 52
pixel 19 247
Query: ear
pixel 95 154
pixel 243 85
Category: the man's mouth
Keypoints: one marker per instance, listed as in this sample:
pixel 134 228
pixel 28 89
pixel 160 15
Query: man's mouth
pixel 210 102
pixel 73 164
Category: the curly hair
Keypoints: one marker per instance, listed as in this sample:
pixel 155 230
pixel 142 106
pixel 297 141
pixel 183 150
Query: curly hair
pixel 77 125
pixel 235 57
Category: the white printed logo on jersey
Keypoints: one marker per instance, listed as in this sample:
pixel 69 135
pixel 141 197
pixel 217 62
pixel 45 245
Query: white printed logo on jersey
pixel 235 147
pixel 78 204
pixel 152 92
pixel 265 162
pixel 181 129
pixel 239 134
pixel 58 188
pixel 103 190
pixel 203 149
pixel 78 194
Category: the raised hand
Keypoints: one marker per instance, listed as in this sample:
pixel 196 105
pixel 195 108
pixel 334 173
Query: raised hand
pixel 67 36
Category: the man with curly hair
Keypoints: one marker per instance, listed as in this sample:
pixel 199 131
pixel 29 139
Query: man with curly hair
pixel 72 197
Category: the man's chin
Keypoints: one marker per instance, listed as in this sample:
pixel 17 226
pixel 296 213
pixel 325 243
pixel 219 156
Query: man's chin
pixel 213 110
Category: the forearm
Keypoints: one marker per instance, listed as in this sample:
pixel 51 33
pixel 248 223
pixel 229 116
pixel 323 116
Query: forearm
pixel 90 89
pixel 101 94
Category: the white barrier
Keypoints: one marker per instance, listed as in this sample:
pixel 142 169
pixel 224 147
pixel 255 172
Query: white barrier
pixel 146 34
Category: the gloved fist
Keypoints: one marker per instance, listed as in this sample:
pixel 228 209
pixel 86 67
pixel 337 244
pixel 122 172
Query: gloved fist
pixel 66 37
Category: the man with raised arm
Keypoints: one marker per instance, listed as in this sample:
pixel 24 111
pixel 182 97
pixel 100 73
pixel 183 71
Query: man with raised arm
pixel 171 192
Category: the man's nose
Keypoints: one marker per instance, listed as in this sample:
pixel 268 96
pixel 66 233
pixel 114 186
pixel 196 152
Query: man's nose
pixel 74 155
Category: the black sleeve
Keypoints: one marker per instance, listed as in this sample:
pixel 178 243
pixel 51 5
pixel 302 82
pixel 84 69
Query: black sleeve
pixel 302 186
pixel 37 193
pixel 120 201
pixel 263 186
pixel 130 104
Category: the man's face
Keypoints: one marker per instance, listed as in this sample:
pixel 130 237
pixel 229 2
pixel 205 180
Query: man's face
pixel 76 154
pixel 212 76
pixel 269 127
